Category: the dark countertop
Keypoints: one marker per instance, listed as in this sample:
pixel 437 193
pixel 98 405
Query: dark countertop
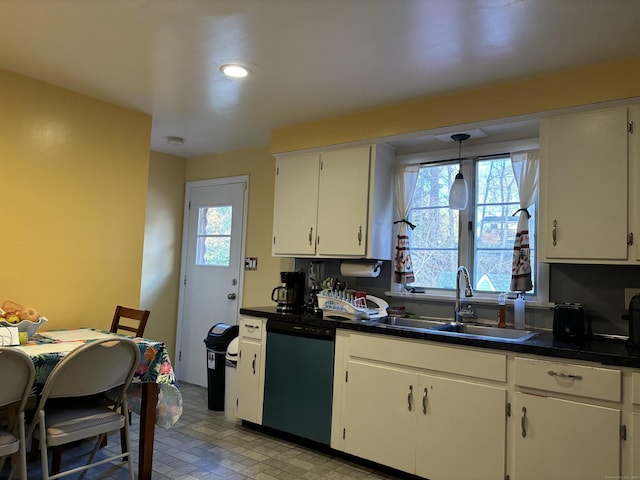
pixel 604 351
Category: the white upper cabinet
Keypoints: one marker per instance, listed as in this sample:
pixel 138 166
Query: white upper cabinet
pixel 343 202
pixel 335 203
pixel 588 181
pixel 296 205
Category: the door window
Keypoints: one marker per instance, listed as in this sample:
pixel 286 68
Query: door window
pixel 213 246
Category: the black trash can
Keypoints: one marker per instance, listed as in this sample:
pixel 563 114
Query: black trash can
pixel 217 341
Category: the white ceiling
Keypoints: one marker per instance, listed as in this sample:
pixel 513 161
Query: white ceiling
pixel 309 59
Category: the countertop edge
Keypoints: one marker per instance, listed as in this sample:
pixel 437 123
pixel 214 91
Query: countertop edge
pixel 606 352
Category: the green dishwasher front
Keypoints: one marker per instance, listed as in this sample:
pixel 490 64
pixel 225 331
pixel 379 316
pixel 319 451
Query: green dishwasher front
pixel 299 380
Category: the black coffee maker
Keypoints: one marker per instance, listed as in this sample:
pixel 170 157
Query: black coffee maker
pixel 289 296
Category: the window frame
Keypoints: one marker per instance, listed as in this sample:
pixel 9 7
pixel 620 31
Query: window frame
pixel 540 296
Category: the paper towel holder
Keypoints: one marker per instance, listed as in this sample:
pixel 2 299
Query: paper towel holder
pixel 372 267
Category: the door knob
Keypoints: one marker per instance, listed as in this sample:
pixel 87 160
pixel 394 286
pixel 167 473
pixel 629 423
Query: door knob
pixel 231 296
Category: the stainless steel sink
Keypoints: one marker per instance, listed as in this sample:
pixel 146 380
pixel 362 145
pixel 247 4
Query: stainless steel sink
pixel 485 331
pixel 405 323
pixel 444 326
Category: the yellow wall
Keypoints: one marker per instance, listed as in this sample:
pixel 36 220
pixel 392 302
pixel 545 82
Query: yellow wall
pixel 597 83
pixel 163 246
pixel 259 164
pixel 72 202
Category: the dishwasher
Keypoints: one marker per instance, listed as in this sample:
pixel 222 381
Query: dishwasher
pixel 298 383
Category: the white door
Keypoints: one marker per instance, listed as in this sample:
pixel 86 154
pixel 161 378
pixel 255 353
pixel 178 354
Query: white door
pixel 213 249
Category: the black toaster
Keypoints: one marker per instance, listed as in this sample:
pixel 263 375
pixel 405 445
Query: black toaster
pixel 569 322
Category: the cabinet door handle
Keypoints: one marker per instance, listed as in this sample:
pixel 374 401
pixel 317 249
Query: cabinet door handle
pixel 523 421
pixel 425 400
pixel 410 398
pixel 553 232
pixel 564 375
pixel 310 236
pixel 360 235
pixel 253 364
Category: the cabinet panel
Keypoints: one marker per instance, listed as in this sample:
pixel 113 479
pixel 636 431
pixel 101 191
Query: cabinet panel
pixel 459 417
pixel 248 399
pixel 296 205
pixel 564 439
pixel 635 439
pixel 421 354
pixel 583 186
pixel 379 423
pixel 250 370
pixel 343 202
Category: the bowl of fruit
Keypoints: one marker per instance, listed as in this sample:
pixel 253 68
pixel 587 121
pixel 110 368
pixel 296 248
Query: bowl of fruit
pixel 25 319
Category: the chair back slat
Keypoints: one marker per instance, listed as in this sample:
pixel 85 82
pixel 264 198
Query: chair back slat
pixel 129 320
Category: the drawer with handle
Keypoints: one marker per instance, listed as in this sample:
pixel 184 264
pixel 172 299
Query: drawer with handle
pixel 251 328
pixel 570 379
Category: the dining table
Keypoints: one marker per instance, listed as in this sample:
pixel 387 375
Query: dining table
pixel 153 393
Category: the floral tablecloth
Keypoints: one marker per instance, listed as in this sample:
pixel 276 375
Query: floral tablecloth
pixel 154 366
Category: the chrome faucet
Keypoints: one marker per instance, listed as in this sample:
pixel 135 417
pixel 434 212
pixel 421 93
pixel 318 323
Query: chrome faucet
pixel 468 292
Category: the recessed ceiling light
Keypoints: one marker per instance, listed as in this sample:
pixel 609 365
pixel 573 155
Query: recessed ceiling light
pixel 176 141
pixel 234 71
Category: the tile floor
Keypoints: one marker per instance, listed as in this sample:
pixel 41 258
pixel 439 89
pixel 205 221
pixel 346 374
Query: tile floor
pixel 205 445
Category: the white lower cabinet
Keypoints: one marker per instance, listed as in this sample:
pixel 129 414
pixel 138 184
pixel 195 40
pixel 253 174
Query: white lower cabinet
pixel 567 421
pixel 250 374
pixel 440 411
pixel 458 417
pixel 564 440
pixel 397 414
pixel 379 424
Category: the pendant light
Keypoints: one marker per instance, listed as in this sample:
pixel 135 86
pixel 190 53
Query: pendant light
pixel 459 192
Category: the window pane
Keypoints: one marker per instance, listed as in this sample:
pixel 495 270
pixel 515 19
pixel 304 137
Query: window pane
pixel 434 242
pixel 215 220
pixel 435 228
pixel 497 199
pixel 435 268
pixel 214 236
pixel 495 182
pixel 493 270
pixel 495 227
pixel 214 251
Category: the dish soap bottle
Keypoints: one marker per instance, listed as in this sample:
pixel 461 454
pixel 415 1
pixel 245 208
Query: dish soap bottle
pixel 518 312
pixel 502 314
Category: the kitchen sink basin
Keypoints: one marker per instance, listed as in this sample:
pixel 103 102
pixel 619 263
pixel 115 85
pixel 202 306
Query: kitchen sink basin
pixel 403 322
pixel 445 326
pixel 485 331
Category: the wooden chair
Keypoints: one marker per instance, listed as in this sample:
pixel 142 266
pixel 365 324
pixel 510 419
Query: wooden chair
pixel 129 320
pixel 64 416
pixel 17 375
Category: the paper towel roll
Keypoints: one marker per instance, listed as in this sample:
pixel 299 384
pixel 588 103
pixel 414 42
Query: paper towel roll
pixel 360 269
